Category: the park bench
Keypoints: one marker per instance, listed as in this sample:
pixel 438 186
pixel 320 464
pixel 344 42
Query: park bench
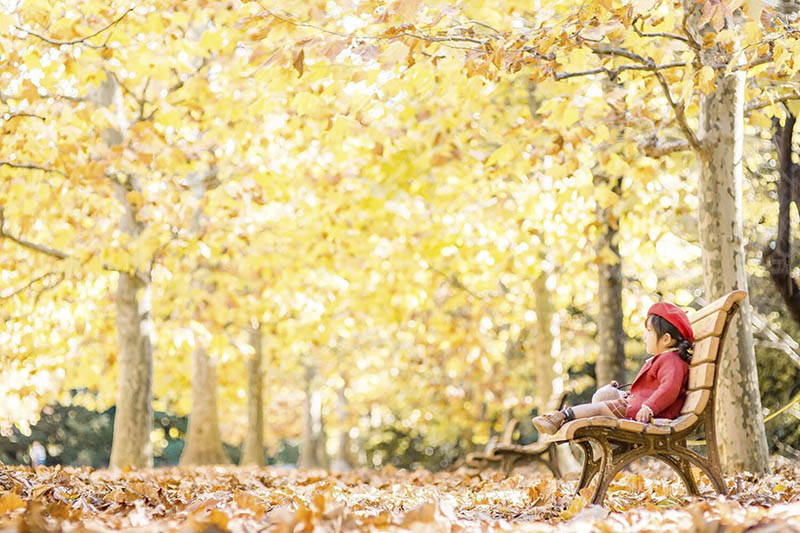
pixel 482 460
pixel 508 455
pixel 618 442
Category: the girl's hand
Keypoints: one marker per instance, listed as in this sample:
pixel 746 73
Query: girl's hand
pixel 644 415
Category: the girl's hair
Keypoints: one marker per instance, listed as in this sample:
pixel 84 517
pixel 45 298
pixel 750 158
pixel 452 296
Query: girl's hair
pixel 662 326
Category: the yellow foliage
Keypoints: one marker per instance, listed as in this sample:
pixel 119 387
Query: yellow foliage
pixel 501 156
pixel 366 210
pixel 706 79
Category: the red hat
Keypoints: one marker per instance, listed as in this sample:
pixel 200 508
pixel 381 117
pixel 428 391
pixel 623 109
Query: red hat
pixel 675 316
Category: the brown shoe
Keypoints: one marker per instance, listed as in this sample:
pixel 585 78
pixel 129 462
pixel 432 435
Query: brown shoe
pixel 549 422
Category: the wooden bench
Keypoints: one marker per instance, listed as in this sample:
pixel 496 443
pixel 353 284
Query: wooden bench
pixel 618 442
pixel 482 460
pixel 508 455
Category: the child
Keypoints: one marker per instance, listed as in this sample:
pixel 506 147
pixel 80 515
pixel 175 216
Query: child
pixel 659 389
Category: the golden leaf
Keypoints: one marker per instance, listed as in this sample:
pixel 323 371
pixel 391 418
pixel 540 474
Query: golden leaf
pixel 10 501
pixel 501 156
pixel 706 79
pixel 298 63
pixel 394 53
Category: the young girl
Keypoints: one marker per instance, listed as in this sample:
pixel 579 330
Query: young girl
pixel 659 389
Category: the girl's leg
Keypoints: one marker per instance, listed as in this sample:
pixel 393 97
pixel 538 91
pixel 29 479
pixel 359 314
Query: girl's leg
pixel 591 409
pixel 550 422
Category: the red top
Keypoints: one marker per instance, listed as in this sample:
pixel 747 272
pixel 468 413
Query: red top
pixel 661 384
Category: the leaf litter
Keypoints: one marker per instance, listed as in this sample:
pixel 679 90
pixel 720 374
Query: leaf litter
pixel 283 500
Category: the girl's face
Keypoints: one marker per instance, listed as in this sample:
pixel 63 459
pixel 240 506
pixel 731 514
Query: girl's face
pixel 652 343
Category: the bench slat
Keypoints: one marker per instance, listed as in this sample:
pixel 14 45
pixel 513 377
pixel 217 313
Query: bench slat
pixel 710 326
pixel 701 376
pixel 631 425
pixel 720 304
pixel 706 351
pixel 685 421
pixel 567 431
pixel 696 401
pixel 657 429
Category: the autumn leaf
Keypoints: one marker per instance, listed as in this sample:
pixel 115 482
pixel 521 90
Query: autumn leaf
pixel 10 501
pixel 501 156
pixel 706 79
pixel 298 62
pixel 395 53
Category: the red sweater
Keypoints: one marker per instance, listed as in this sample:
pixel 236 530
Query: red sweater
pixel 661 384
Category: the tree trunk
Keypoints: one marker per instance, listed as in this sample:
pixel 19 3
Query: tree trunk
pixel 203 442
pixel 203 439
pixel 342 460
pixel 742 443
pixel 550 374
pixel 543 350
pixel 253 452
pixel 610 333
pixel 778 260
pixel 312 448
pixel 133 420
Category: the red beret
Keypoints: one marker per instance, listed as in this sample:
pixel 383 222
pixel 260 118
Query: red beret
pixel 675 316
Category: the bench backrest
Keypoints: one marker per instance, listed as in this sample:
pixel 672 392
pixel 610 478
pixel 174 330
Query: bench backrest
pixel 556 402
pixel 710 325
pixel 508 433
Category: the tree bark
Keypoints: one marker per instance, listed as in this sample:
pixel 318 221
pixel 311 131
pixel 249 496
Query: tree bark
pixel 550 373
pixel 133 419
pixel 743 443
pixel 203 442
pixel 343 458
pixel 203 439
pixel 778 260
pixel 312 449
pixel 610 333
pixel 543 351
pixel 253 452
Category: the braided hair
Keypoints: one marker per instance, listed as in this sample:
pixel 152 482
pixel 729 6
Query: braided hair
pixel 662 326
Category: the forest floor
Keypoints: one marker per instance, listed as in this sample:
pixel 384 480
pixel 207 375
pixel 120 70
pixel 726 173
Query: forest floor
pixel 240 499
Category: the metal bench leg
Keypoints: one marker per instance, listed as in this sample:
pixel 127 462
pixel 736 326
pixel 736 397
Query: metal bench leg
pixel 612 463
pixel 509 462
pixel 683 469
pixel 705 465
pixel 552 463
pixel 590 465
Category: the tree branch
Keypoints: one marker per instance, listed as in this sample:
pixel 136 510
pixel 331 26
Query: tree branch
pixel 12 116
pixel 181 82
pixel 31 167
pixel 27 285
pixel 679 113
pixel 649 65
pixel 52 252
pixel 76 41
pixel 685 27
pixel 640 33
pixel 607 50
pixel 140 100
pixel 614 72
pixel 654 148
pixel 752 106
pixel 754 63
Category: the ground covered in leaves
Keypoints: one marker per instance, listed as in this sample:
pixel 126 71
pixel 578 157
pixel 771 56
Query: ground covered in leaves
pixel 649 498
